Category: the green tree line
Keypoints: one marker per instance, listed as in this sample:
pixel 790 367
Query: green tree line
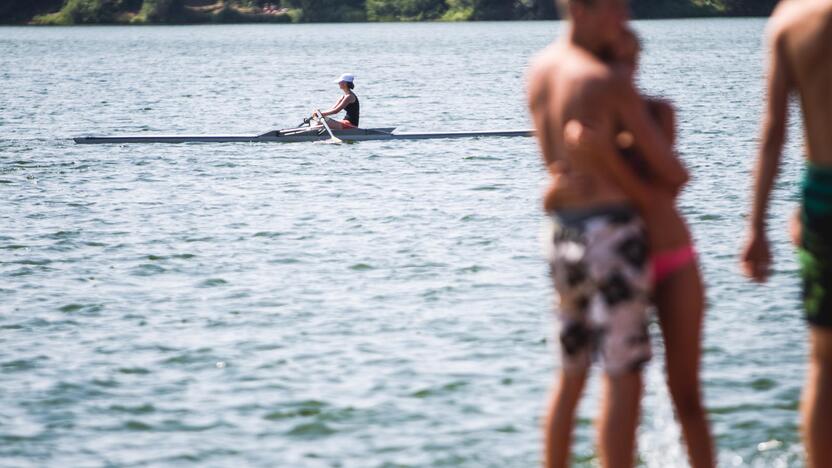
pixel 197 11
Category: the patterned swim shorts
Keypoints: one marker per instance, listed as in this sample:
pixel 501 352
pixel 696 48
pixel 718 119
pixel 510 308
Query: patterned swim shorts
pixel 599 264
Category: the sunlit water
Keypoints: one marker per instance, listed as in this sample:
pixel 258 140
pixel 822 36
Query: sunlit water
pixel 363 305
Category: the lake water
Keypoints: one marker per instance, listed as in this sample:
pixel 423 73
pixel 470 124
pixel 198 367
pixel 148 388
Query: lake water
pixel 380 304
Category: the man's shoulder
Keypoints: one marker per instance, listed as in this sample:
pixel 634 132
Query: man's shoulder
pixel 545 60
pixel 783 16
pixel 570 64
pixel 792 14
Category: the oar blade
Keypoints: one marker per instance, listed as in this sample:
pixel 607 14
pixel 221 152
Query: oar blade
pixel 333 138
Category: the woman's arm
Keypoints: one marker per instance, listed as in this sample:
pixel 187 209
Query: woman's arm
pixel 648 138
pixel 583 138
pixel 340 105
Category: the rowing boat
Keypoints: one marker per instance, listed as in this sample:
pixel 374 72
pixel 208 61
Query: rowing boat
pixel 300 134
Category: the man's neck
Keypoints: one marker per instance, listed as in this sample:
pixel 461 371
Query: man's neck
pixel 583 39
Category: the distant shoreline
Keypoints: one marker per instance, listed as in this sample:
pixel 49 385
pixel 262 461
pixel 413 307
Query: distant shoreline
pixel 267 21
pixel 184 12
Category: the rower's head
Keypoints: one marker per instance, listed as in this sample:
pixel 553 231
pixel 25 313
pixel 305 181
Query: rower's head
pixel 346 82
pixel 600 22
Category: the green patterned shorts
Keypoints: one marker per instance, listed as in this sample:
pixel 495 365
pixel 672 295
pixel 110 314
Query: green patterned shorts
pixel 815 252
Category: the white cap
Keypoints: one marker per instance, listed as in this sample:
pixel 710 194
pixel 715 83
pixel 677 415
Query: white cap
pixel 348 77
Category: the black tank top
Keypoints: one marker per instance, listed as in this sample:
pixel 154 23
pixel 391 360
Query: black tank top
pixel 353 111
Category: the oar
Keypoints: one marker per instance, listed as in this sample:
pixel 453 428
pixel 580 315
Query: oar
pixel 333 138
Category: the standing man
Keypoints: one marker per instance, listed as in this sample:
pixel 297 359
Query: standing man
pixel 598 258
pixel 800 61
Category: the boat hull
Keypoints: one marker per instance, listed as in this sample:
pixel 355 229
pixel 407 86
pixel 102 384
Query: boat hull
pixel 283 137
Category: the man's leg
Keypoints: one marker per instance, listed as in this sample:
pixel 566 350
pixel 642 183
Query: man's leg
pixel 574 289
pixel 619 419
pixel 817 400
pixel 560 420
pixel 680 303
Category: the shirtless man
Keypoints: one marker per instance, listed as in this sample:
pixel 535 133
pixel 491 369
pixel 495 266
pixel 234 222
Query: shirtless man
pixel 800 38
pixel 598 246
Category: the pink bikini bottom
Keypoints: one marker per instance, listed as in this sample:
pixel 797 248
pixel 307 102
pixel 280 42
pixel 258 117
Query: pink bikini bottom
pixel 668 262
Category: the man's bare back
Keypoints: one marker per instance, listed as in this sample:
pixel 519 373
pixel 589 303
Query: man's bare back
pixel 801 35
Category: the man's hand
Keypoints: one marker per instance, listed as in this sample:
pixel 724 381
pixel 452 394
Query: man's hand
pixel 756 256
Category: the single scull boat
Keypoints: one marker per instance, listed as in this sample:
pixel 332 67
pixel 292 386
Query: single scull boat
pixel 300 134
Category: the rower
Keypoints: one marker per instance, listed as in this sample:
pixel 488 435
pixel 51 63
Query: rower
pixel 348 102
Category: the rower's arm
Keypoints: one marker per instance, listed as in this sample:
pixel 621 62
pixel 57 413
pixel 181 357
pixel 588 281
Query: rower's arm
pixel 649 139
pixel 339 106
pixel 773 133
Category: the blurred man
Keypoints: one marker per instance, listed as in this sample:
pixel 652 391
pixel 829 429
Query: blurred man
pixel 800 61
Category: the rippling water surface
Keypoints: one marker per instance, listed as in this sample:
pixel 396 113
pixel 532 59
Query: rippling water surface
pixel 362 305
